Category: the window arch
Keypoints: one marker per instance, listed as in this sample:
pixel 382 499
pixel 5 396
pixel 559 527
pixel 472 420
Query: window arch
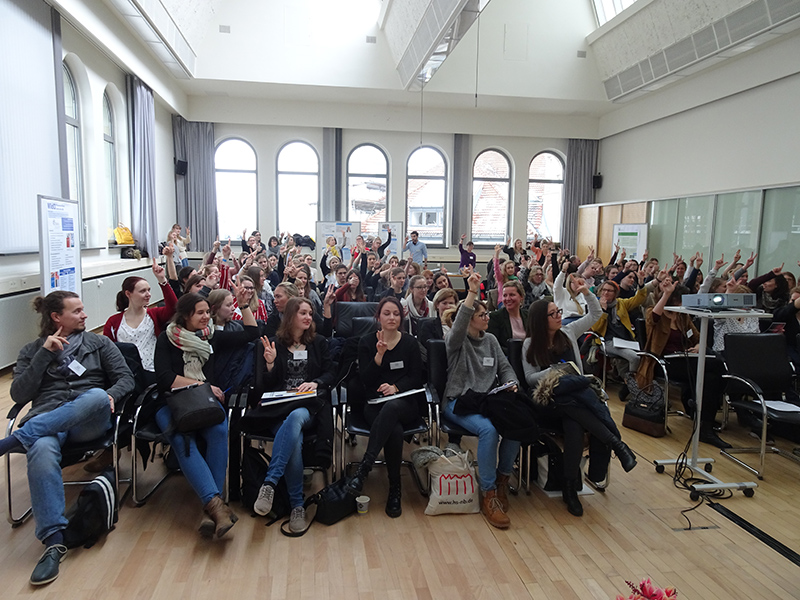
pixel 367 185
pixel 426 194
pixel 72 121
pixel 236 176
pixel 491 194
pixel 545 195
pixel 110 157
pixel 298 188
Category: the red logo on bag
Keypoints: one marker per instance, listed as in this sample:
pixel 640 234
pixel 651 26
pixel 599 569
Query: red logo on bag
pixel 456 480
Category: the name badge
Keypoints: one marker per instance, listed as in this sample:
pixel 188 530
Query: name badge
pixel 488 361
pixel 398 364
pixel 76 367
pixel 300 354
pixel 689 334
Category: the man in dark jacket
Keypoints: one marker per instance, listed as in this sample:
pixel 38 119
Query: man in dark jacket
pixel 72 378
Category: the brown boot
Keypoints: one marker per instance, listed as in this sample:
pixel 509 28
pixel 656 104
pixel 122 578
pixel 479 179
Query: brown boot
pixel 223 516
pixel 207 526
pixel 502 490
pixel 493 510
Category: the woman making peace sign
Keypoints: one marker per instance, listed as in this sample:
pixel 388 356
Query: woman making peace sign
pixel 389 362
pixel 297 359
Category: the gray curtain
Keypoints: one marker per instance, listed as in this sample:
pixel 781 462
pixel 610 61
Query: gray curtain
pixel 196 192
pixel 581 164
pixel 142 122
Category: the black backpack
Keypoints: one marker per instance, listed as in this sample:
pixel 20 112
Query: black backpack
pixel 94 513
pixel 254 470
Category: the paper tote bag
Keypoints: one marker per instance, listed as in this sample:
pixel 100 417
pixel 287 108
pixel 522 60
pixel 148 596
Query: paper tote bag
pixel 454 485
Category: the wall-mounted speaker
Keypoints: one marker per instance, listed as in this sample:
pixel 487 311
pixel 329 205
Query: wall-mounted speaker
pixel 180 167
pixel 597 182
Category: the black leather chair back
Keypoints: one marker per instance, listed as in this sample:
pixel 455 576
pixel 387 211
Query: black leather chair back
pixel 362 326
pixel 760 357
pixel 515 358
pixel 437 366
pixel 346 311
pixel 640 328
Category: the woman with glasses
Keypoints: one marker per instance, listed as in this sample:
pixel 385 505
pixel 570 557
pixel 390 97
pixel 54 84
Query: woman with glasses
pixel 475 362
pixel 257 308
pixel 416 305
pixel 551 344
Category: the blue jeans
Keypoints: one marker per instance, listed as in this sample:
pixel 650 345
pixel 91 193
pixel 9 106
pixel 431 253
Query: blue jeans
pixel 488 438
pixel 287 454
pixel 206 474
pixel 184 262
pixel 84 419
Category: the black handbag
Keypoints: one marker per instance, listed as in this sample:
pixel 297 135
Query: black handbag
pixel 645 410
pixel 334 502
pixel 195 408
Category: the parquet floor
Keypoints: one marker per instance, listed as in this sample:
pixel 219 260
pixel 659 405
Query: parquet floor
pixel 633 531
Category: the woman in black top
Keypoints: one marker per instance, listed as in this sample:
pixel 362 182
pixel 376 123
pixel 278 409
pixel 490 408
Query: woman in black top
pixel 389 363
pixel 185 356
pixel 298 359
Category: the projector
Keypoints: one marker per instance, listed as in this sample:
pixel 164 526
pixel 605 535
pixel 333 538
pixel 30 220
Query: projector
pixel 719 301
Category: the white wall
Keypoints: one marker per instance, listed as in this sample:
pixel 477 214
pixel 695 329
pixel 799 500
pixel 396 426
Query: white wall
pixel 749 140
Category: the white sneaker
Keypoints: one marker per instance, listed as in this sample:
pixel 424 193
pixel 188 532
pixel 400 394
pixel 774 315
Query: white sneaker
pixel 263 503
pixel 297 520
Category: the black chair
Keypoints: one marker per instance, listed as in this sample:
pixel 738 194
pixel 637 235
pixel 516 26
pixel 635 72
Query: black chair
pixel 345 312
pixel 72 453
pixel 147 437
pixel 350 399
pixel 759 371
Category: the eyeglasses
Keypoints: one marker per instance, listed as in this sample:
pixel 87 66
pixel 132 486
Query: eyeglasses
pixel 555 313
pixel 483 315
pixel 420 287
pixel 250 289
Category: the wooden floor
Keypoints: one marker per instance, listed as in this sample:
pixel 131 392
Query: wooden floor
pixel 633 531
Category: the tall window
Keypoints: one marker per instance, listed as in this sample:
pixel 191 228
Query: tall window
pixel 74 159
pixel 298 188
pixel 367 182
pixel 427 191
pixel 545 193
pixel 491 185
pixel 237 193
pixel 112 204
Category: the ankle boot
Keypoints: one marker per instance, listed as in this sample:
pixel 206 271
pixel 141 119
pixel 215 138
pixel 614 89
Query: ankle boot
pixel 502 490
pixel 570 496
pixel 394 507
pixel 356 483
pixel 223 517
pixel 207 526
pixel 493 510
pixel 625 455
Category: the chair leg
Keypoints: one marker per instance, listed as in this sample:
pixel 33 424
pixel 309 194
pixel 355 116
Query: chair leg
pixel 14 521
pixel 137 499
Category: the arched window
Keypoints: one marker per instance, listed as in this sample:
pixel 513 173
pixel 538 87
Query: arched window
pixel 74 157
pixel 491 187
pixel 298 188
pixel 545 194
pixel 426 192
pixel 367 182
pixel 110 155
pixel 236 177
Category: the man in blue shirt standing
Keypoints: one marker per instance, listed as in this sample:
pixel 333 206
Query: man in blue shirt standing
pixel 418 250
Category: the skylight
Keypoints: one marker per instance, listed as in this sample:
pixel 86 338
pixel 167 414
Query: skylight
pixel 608 9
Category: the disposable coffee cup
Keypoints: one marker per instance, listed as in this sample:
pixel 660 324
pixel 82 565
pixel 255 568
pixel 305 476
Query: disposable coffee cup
pixel 362 503
pixel 308 474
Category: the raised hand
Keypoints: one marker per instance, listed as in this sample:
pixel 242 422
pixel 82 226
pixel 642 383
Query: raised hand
pixel 474 283
pixel 215 246
pixel 645 255
pixel 159 272
pixel 524 261
pixel 226 250
pixel 591 253
pixel 463 237
pixel 269 351
pixel 719 263
pixel 55 342
pixel 497 248
pixel 668 285
pixel 738 256
pixel 330 296
pixel 749 262
pixel 168 250
pixel 381 346
pixel 212 280
pixel 777 270
pixel 698 260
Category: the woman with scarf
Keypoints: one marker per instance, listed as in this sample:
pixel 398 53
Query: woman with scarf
pixel 185 356
pixel 549 346
pixel 416 305
pixel 533 280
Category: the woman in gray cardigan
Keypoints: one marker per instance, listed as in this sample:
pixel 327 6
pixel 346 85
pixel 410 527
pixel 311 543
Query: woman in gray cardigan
pixel 474 362
pixel 549 344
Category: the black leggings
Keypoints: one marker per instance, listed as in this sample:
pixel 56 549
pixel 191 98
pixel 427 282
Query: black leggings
pixel 684 371
pixel 387 423
pixel 576 421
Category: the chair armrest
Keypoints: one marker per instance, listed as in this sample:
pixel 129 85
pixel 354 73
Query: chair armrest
pixel 431 396
pixel 747 382
pixel 598 337
pixel 660 361
pixel 14 411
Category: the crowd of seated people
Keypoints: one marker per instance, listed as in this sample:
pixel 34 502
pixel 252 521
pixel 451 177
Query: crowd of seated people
pixel 272 297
